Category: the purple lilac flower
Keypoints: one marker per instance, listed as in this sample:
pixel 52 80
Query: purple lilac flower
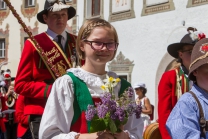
pixel 90 112
pixel 138 111
pixel 131 108
pixel 130 92
pixel 112 106
pixel 112 109
pixel 106 98
pixel 102 110
pixel 120 113
pixel 113 116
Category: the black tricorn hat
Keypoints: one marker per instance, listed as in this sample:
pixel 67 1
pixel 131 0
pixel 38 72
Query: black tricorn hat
pixel 49 5
pixel 186 40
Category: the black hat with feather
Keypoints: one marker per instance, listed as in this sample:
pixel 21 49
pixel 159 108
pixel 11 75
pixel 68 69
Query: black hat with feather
pixel 55 5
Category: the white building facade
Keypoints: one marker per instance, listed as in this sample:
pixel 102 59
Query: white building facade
pixel 145 28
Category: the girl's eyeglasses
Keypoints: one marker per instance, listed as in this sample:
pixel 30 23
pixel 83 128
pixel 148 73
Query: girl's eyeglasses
pixel 111 46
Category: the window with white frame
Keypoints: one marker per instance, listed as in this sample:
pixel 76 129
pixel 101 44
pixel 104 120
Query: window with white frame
pixel 2 5
pixel 2 48
pixel 193 3
pixel 121 10
pixel 157 6
pixel 29 3
pixel 93 8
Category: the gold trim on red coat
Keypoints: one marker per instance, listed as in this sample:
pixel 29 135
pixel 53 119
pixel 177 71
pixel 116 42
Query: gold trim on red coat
pixel 54 55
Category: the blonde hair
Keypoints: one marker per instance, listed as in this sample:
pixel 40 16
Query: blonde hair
pixel 86 30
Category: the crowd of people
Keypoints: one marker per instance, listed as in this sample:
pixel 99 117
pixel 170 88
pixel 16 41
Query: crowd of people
pixel 8 97
pixel 178 112
pixel 45 105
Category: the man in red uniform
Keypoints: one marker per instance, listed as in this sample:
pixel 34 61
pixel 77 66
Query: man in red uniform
pixel 175 82
pixel 10 98
pixel 34 77
pixel 23 131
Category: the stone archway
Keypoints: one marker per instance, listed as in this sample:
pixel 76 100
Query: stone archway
pixel 173 65
pixel 167 62
pixel 163 66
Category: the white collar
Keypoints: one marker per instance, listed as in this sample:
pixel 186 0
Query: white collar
pixel 52 35
pixel 87 77
pixel 94 80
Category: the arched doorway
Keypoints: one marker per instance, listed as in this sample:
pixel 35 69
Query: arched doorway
pixel 165 64
pixel 168 62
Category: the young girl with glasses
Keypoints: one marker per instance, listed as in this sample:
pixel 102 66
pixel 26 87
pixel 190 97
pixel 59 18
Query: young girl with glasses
pixel 64 114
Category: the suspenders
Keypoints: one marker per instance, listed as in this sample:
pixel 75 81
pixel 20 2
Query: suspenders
pixel 202 121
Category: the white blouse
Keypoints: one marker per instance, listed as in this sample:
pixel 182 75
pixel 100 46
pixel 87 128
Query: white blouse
pixel 59 112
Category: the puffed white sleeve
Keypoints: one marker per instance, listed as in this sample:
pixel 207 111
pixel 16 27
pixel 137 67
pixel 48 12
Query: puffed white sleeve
pixel 58 113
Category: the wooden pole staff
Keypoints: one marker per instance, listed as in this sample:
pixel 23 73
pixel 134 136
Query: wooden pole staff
pixel 40 50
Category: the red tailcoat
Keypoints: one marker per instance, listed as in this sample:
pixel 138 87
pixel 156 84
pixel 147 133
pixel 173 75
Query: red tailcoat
pixel 167 99
pixel 21 118
pixel 33 79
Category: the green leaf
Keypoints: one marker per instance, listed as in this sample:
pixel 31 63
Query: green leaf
pixel 112 126
pixel 118 124
pixel 106 121
pixel 97 125
pixel 124 121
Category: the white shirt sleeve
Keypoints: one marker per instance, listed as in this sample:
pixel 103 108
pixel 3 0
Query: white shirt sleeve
pixel 58 113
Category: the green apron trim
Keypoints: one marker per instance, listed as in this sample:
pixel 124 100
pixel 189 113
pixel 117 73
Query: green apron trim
pixel 82 98
pixel 124 85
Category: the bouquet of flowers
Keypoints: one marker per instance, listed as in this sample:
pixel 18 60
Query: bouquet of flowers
pixel 112 112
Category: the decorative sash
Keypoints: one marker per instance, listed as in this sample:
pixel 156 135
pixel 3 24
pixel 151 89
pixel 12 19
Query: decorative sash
pixel 182 83
pixel 54 54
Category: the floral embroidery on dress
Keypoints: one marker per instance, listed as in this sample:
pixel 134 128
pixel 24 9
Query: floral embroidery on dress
pixel 94 80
